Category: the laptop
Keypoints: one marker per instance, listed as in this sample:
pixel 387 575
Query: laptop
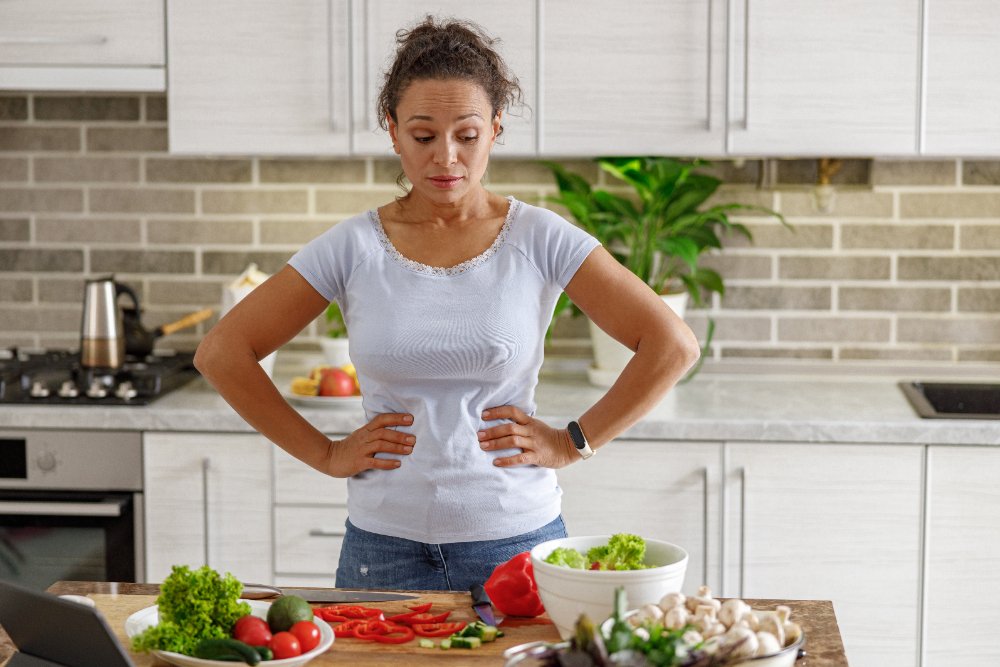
pixel 51 632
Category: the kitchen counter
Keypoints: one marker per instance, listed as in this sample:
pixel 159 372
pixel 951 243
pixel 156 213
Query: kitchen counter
pixel 117 601
pixel 811 407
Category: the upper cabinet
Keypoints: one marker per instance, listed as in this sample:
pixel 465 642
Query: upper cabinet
pixel 259 77
pixel 963 87
pixel 649 78
pixel 72 45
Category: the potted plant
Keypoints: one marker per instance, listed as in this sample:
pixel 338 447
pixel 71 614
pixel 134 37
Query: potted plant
pixel 334 342
pixel 660 234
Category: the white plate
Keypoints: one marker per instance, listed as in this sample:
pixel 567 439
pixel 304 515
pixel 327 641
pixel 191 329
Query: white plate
pixel 148 617
pixel 323 401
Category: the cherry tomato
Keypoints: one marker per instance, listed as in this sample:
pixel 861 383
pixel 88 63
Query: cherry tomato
pixel 307 633
pixel 252 630
pixel 285 645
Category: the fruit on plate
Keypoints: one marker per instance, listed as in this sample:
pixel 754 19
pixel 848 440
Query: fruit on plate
pixel 336 382
pixel 286 611
pixel 304 386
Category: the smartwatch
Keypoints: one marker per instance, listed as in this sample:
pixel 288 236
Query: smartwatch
pixel 579 440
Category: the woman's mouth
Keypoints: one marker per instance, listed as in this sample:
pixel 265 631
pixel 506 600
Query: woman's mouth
pixel 445 182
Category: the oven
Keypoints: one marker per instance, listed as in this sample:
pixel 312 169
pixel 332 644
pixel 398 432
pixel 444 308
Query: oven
pixel 70 506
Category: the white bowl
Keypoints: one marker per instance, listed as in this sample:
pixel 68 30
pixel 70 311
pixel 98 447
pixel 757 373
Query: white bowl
pixel 567 593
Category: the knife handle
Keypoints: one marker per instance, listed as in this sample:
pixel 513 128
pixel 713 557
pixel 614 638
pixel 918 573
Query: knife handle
pixel 479 595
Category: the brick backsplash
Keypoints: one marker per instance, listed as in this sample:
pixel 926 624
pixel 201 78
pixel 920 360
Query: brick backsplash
pixel 904 268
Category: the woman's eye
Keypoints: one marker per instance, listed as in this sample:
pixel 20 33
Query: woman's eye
pixel 469 139
pixel 422 140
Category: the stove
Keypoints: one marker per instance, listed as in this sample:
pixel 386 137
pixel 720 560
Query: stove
pixel 55 377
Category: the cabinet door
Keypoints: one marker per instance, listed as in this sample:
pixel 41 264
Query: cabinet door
pixel 661 490
pixel 831 522
pixel 376 23
pixel 963 553
pixel 258 77
pixel 963 88
pixel 644 78
pixel 208 500
pixel 824 78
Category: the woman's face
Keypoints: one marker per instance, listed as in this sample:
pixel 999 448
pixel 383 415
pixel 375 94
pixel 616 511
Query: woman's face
pixel 444 136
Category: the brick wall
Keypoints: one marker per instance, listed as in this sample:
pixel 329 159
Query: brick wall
pixel 906 265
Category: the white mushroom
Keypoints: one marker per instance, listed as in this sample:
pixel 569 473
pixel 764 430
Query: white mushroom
pixel 704 616
pixel 715 629
pixel 742 642
pixel 647 612
pixel 692 638
pixel 672 600
pixel 704 597
pixel 770 622
pixel 792 631
pixel 676 618
pixel 733 611
pixel 767 644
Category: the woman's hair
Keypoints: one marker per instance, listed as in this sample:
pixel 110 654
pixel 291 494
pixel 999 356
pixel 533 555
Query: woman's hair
pixel 450 49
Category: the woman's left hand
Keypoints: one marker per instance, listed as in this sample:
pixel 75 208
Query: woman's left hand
pixel 540 444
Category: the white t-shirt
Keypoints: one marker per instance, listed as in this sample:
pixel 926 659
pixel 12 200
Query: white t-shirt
pixel 443 345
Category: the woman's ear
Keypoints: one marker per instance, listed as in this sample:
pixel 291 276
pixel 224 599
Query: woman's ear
pixel 497 129
pixel 393 132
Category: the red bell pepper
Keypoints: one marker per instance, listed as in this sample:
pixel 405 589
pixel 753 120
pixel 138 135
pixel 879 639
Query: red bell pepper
pixel 512 587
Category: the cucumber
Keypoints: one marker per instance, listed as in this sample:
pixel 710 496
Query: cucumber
pixel 446 644
pixel 426 643
pixel 227 649
pixel 480 630
pixel 465 642
pixel 264 652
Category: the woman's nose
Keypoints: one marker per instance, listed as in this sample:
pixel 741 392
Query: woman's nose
pixel 445 153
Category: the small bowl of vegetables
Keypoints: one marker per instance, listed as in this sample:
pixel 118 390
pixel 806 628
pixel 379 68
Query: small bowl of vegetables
pixel 579 575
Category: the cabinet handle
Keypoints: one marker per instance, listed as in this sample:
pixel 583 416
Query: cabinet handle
pixel 746 64
pixel 704 524
pixel 205 464
pixel 329 65
pixel 83 40
pixel 365 80
pixel 708 77
pixel 743 529
pixel 320 532
pixel 922 80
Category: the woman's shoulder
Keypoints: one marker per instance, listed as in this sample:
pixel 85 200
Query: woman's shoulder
pixel 535 222
pixel 356 230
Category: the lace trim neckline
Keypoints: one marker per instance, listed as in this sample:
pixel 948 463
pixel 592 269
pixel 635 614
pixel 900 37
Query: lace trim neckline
pixel 461 267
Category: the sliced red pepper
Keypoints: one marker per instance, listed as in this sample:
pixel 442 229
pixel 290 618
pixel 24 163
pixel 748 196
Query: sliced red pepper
pixel 421 608
pixel 350 610
pixel 412 617
pixel 347 628
pixel 328 615
pixel 384 632
pixel 438 629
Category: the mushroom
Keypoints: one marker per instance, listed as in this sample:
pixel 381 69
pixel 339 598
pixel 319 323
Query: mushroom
pixel 767 644
pixel 792 631
pixel 704 597
pixel 733 611
pixel 692 638
pixel 771 622
pixel 705 621
pixel 672 600
pixel 676 618
pixel 647 612
pixel 741 642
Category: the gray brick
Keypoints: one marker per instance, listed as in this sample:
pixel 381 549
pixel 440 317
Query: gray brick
pixel 254 201
pixel 760 297
pixel 796 172
pixel 776 235
pixel 954 331
pixel 949 268
pixel 350 202
pixel 233 263
pixel 739 194
pixel 834 329
pixel 521 172
pixel 292 232
pixel 23 138
pixel 13 169
pixel 312 171
pixel 126 139
pixel 776 353
pixel 85 107
pixel 897 237
pixel 834 268
pixel 186 292
pixel 88 230
pixel 61 290
pixel 736 328
pixel 979 354
pixel 727 171
pixel 198 170
pixel 15 229
pixel 188 232
pixel 385 171
pixel 42 319
pixel 13 107
pixel 949 205
pixel 156 107
pixel 41 200
pixel 897 299
pixel 141 200
pixel 913 172
pixel 979 237
pixel 141 261
pixel 896 354
pixel 736 266
pixel 979 299
pixel 15 289
pixel 981 172
pixel 846 204
pixel 86 169
pixel 27 340
pixel 57 261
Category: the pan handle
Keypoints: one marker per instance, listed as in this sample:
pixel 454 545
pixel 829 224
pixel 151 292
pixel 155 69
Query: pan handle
pixel 185 322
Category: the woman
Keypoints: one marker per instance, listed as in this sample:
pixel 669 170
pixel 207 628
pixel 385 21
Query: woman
pixel 447 293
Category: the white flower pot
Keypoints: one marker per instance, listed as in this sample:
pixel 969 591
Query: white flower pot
pixel 611 357
pixel 335 350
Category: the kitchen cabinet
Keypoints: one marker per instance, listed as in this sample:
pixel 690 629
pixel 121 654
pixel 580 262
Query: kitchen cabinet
pixel 836 522
pixel 962 87
pixel 208 500
pixel 962 590
pixel 661 490
pixel 70 45
pixel 648 78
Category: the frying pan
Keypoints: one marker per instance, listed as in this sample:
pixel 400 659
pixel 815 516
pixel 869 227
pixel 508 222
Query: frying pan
pixel 139 340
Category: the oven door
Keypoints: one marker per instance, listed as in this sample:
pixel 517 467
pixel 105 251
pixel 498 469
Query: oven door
pixel 48 536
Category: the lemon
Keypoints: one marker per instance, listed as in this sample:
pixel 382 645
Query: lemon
pixel 350 370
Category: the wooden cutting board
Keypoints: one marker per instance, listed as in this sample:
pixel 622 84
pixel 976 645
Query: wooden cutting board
pixel 116 608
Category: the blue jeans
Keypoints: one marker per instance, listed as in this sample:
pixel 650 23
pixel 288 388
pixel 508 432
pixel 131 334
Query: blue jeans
pixel 369 560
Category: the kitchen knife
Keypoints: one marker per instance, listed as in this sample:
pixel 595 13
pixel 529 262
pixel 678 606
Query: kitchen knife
pixel 263 592
pixel 482 605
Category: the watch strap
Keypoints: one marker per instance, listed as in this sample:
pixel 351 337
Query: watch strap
pixel 579 440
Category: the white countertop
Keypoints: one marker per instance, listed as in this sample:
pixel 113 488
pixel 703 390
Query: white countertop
pixel 811 407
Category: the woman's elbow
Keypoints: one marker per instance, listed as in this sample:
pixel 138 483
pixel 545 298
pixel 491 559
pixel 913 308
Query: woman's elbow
pixel 685 345
pixel 206 354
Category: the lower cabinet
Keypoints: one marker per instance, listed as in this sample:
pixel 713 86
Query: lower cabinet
pixel 208 501
pixel 962 595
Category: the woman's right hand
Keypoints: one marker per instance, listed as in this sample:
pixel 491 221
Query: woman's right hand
pixel 356 452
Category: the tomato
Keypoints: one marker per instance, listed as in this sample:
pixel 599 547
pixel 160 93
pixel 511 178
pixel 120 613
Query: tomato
pixel 307 633
pixel 285 645
pixel 437 629
pixel 252 630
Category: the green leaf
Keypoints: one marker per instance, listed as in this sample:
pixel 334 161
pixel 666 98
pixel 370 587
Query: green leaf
pixel 705 349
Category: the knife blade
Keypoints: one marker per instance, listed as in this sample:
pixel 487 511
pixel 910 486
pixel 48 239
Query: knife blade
pixel 262 592
pixel 482 605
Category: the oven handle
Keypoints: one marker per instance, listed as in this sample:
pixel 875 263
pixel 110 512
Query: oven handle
pixel 55 508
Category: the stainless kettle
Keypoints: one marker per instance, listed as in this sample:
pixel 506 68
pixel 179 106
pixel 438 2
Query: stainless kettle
pixel 102 334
